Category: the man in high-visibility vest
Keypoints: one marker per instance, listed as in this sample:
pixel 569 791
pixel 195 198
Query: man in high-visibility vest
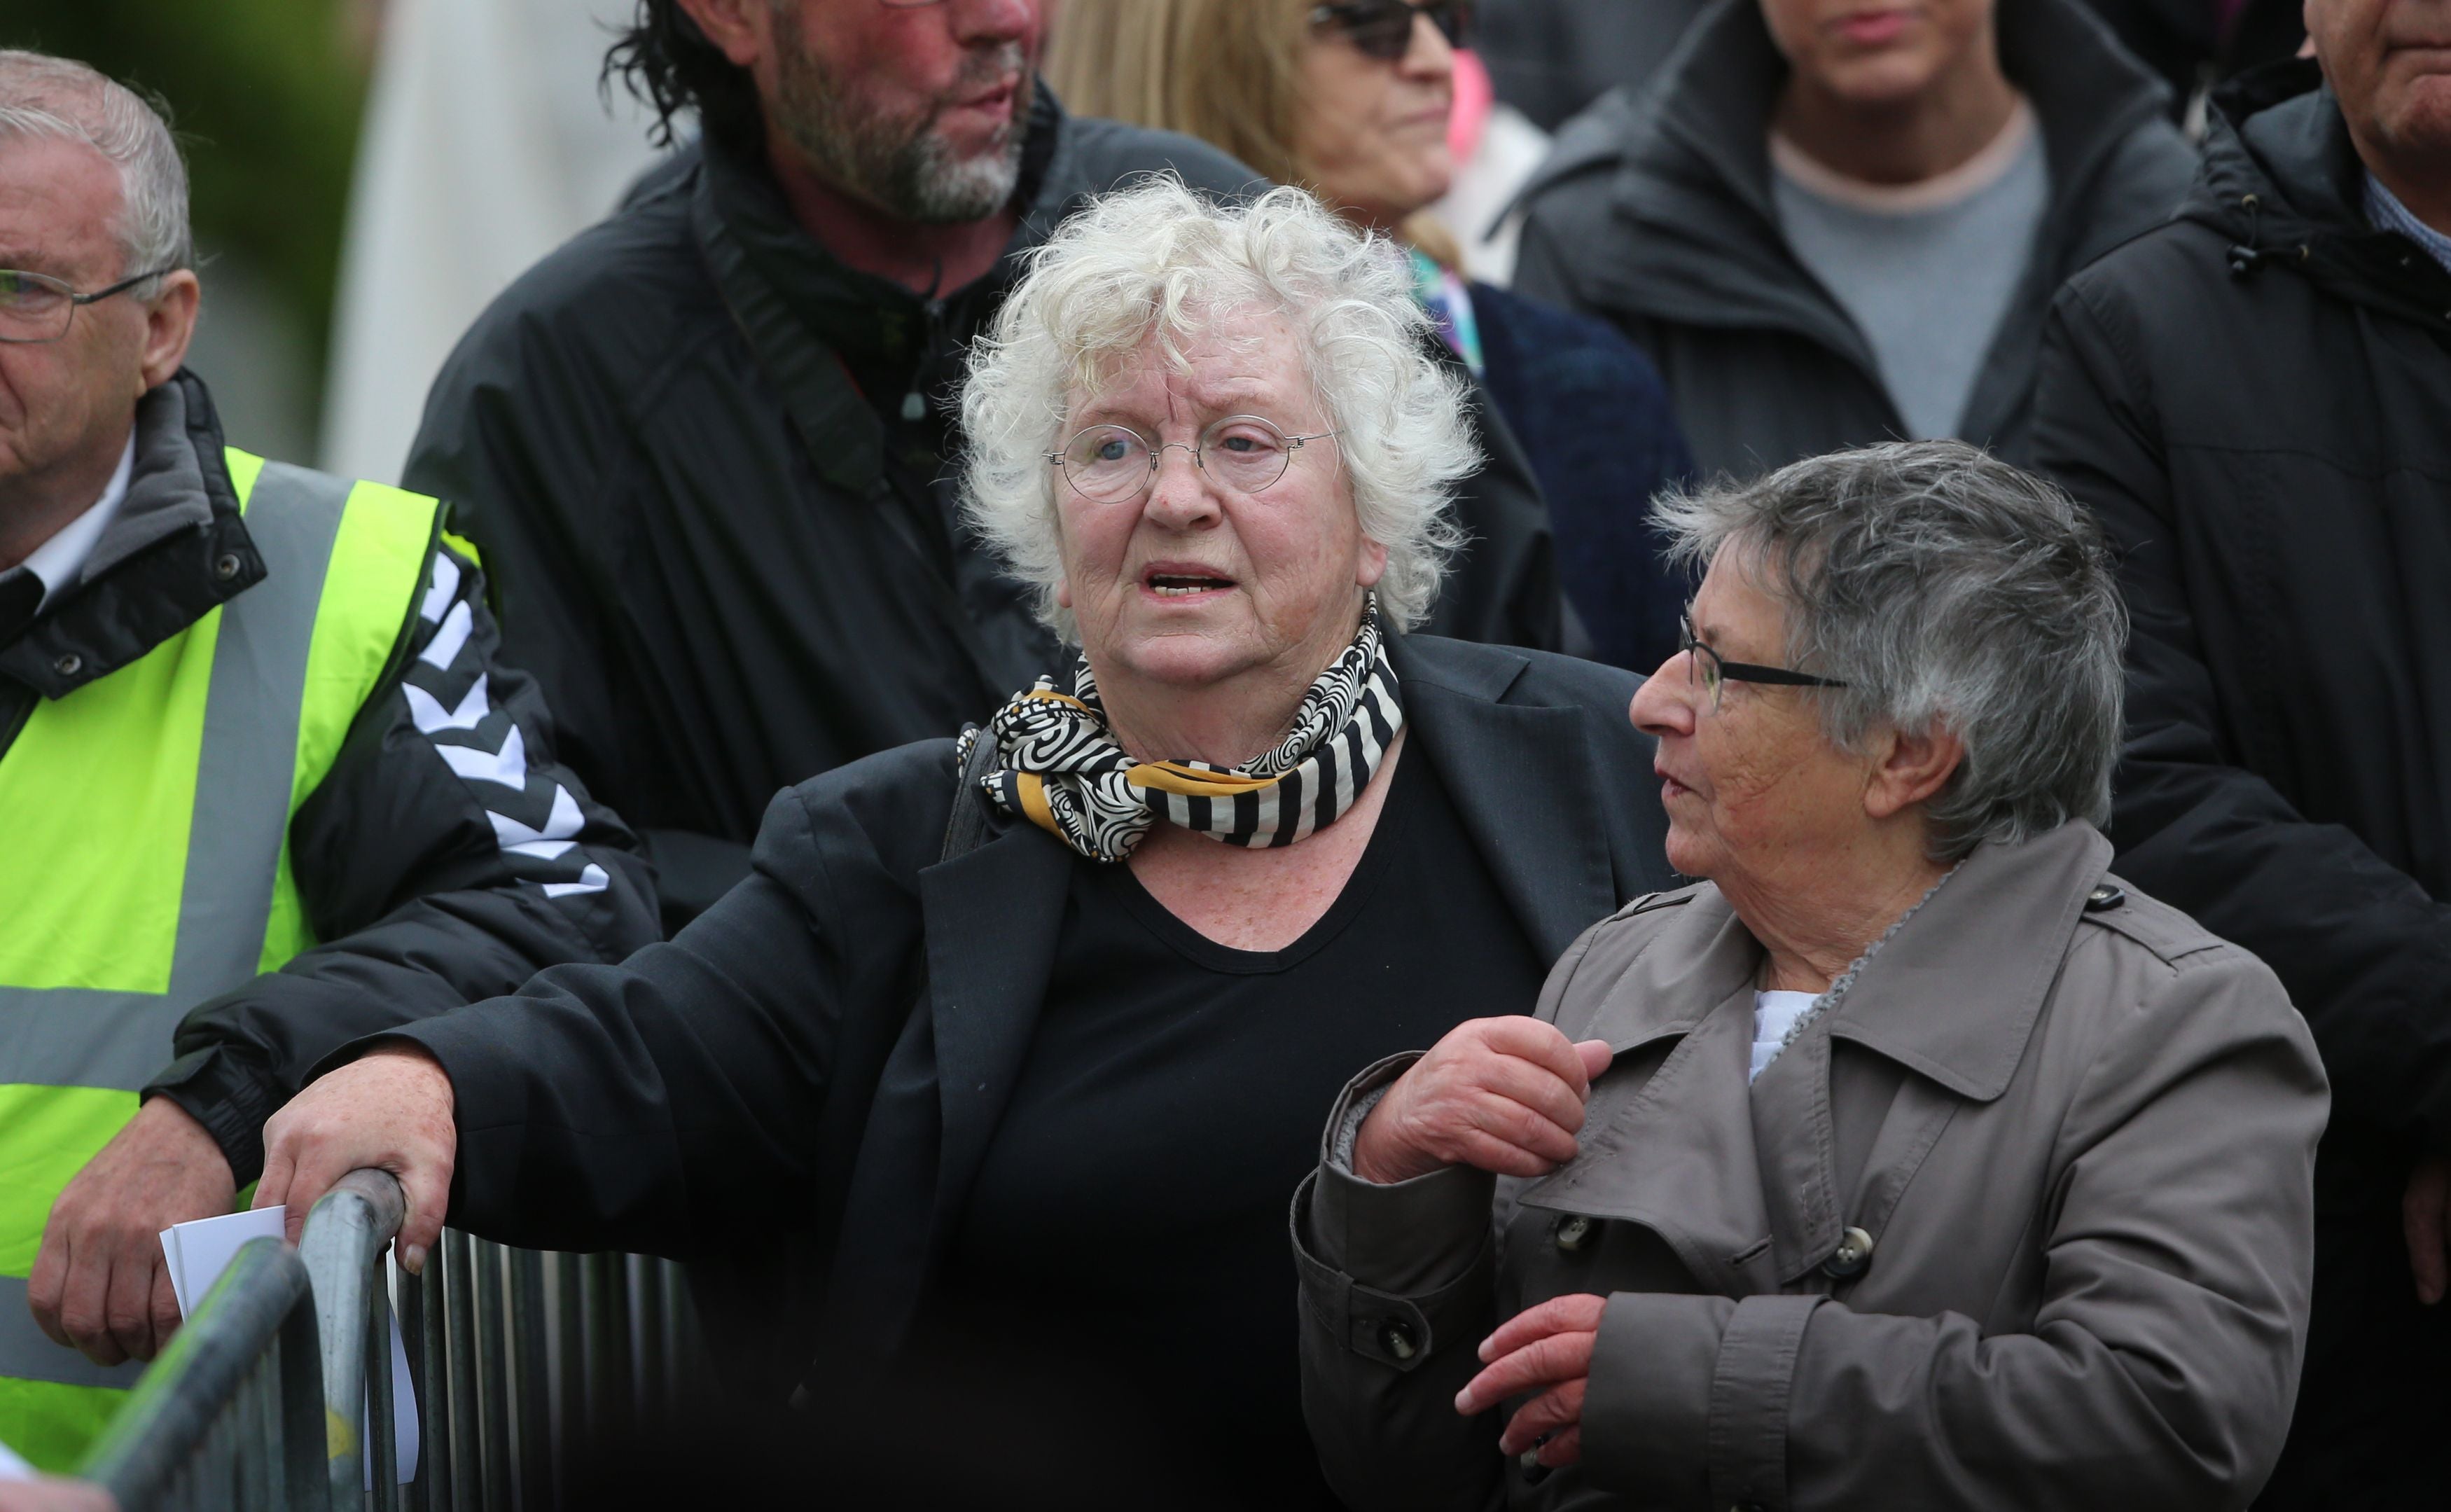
pixel 254 751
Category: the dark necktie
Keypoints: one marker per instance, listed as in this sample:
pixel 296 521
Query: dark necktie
pixel 21 594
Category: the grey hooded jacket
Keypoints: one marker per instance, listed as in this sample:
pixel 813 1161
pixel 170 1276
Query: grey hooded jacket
pixel 2024 1221
pixel 1654 211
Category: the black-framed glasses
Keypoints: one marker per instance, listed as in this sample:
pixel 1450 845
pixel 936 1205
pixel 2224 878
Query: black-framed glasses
pixel 1706 669
pixel 1383 29
pixel 1111 464
pixel 36 308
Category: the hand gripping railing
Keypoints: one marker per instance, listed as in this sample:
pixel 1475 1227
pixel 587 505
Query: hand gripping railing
pixel 231 1415
pixel 343 1246
pixel 515 1355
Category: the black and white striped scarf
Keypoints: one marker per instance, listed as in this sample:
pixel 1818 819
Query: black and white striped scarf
pixel 1058 766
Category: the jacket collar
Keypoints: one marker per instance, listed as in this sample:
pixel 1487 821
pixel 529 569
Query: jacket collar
pixel 874 323
pixel 1954 995
pixel 1693 184
pixel 1520 776
pixel 2004 921
pixel 177 549
pixel 992 916
pixel 2283 180
pixel 1515 774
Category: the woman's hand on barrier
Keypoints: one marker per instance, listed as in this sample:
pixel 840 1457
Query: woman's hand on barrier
pixel 1546 1351
pixel 390 1110
pixel 1503 1094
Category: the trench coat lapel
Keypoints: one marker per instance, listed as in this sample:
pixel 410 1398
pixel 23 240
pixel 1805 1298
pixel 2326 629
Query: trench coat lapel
pixel 1521 777
pixel 1677 1153
pixel 1741 1181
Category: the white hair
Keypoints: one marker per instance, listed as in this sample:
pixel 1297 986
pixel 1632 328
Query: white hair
pixel 1157 261
pixel 42 96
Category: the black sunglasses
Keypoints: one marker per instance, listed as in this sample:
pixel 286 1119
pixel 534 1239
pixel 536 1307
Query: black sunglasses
pixel 1383 29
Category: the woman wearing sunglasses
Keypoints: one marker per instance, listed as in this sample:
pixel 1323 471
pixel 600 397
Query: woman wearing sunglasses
pixel 1351 100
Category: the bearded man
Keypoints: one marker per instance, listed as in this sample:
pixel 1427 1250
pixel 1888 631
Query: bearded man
pixel 702 445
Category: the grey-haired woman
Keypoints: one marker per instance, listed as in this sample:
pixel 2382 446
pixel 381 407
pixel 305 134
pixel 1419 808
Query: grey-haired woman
pixel 1909 1161
pixel 1256 835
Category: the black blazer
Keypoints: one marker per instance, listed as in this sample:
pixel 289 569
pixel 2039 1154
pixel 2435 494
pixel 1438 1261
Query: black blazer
pixel 759 1094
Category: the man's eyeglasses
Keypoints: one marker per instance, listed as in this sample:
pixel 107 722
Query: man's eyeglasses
pixel 1706 670
pixel 37 307
pixel 1111 464
pixel 1383 29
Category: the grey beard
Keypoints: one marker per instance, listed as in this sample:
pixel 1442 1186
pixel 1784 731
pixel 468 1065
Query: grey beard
pixel 903 166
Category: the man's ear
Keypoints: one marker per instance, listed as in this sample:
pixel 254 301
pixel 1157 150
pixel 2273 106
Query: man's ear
pixel 741 29
pixel 1910 768
pixel 170 324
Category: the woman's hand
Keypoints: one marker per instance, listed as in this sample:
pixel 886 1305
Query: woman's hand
pixel 390 1110
pixel 1548 1346
pixel 1503 1094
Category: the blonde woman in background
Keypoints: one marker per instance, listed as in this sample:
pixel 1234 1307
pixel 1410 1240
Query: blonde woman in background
pixel 1351 100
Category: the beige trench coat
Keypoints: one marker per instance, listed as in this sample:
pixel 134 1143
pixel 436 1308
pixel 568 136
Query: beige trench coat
pixel 2026 1221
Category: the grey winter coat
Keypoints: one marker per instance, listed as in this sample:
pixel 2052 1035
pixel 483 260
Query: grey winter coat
pixel 2024 1221
pixel 1654 211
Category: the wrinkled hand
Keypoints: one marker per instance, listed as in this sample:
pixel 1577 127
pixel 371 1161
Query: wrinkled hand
pixel 1548 1350
pixel 1502 1094
pixel 99 1284
pixel 390 1110
pixel 2425 1220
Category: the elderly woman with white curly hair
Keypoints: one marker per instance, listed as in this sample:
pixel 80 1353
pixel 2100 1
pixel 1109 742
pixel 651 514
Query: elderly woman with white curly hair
pixel 1034 1052
pixel 1912 1160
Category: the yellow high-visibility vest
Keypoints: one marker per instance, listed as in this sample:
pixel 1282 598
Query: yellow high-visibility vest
pixel 145 864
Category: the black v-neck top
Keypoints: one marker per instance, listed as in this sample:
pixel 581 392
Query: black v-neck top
pixel 1130 1216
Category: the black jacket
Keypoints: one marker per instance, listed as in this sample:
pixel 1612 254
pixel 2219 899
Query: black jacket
pixel 754 1078
pixel 1655 210
pixel 2256 400
pixel 682 442
pixel 397 858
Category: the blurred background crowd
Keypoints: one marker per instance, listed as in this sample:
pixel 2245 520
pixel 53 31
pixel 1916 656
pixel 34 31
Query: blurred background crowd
pixel 369 173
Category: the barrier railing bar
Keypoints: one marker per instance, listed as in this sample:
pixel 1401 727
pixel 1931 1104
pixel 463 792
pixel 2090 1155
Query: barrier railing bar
pixel 461 1342
pixel 532 1424
pixel 344 1237
pixel 187 1407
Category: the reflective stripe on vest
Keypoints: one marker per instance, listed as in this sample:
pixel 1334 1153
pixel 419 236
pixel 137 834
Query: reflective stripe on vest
pixel 147 818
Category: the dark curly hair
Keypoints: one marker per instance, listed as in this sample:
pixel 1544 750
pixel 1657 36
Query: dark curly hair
pixel 666 61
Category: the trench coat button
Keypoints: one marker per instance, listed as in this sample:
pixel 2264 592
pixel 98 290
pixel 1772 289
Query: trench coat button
pixel 1534 1471
pixel 2105 897
pixel 1395 1336
pixel 1854 1253
pixel 1574 1231
pixel 70 665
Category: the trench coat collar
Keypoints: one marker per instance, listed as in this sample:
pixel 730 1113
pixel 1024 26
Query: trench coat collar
pixel 1952 997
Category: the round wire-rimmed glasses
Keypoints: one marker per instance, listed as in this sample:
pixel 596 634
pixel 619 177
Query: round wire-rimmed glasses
pixel 1111 464
pixel 36 308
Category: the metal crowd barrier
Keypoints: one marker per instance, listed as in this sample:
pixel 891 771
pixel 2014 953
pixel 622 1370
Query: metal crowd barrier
pixel 517 1357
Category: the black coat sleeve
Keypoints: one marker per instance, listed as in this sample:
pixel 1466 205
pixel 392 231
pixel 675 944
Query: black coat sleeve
pixel 447 856
pixel 683 1101
pixel 2364 949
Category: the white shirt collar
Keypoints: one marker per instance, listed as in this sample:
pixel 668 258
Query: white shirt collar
pixel 57 561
